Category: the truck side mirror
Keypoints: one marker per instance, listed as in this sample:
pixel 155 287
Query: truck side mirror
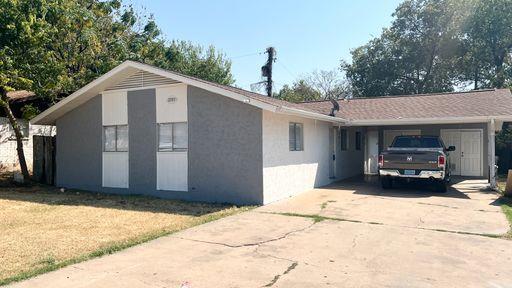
pixel 451 148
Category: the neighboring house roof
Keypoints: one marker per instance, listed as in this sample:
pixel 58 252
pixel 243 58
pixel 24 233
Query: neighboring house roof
pixel 21 95
pixel 471 106
pixel 128 68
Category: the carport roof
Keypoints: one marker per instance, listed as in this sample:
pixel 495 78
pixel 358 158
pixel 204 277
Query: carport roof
pixel 472 106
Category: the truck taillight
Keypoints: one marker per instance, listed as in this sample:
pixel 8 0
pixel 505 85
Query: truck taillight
pixel 441 161
pixel 381 160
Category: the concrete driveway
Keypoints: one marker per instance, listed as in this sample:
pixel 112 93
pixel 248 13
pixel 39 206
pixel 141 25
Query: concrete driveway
pixel 351 234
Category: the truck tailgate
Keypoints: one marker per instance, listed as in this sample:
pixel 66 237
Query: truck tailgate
pixel 410 160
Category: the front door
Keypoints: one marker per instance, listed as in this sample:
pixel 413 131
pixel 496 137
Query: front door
pixel 372 152
pixel 471 153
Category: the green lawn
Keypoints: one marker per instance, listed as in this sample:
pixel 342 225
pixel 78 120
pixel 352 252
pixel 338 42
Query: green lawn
pixel 506 205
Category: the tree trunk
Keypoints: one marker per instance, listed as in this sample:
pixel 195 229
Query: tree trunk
pixel 4 102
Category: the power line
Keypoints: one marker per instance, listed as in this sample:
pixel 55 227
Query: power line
pixel 286 68
pixel 247 55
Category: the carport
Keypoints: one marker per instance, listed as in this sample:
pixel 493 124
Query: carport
pixel 467 120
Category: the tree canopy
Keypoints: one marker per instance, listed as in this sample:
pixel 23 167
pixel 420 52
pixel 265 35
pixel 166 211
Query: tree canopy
pixel 54 47
pixel 317 85
pixel 436 46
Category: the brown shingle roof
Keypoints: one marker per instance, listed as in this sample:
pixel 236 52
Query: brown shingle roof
pixel 250 94
pixel 492 102
pixel 20 95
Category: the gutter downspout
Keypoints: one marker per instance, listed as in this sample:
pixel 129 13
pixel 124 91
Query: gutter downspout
pixel 491 131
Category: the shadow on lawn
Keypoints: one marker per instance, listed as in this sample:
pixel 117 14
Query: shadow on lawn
pixel 50 195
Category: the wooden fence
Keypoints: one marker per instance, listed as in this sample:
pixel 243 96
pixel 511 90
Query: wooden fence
pixel 44 159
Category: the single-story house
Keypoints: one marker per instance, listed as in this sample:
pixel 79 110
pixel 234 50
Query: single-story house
pixel 139 129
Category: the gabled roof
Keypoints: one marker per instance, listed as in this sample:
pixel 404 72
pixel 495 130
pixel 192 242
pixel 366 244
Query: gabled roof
pixel 471 106
pixel 128 68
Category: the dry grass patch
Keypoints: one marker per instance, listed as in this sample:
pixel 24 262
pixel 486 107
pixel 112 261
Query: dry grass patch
pixel 43 229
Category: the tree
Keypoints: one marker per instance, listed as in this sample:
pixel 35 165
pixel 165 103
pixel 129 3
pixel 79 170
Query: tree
pixel 317 85
pixel 21 35
pixel 328 83
pixel 487 31
pixel 207 64
pixel 436 46
pixel 415 55
pixel 299 92
pixel 55 47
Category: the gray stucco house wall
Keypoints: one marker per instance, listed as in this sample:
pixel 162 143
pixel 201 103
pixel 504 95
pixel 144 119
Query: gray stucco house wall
pixel 224 155
pixel 79 147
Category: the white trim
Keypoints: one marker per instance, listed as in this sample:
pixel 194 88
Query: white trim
pixel 491 151
pixel 414 121
pixel 76 94
pixel 97 86
pixel 307 114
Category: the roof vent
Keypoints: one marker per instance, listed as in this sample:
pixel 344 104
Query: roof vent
pixel 141 79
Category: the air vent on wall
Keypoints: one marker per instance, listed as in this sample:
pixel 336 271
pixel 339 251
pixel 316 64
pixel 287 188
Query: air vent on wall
pixel 142 79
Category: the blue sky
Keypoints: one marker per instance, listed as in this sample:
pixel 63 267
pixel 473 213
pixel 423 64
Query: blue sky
pixel 307 35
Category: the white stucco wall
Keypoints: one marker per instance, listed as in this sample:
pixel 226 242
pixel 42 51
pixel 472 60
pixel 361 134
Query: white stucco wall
pixel 287 173
pixel 8 154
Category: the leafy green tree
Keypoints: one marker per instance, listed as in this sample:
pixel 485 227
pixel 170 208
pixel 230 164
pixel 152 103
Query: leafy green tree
pixel 299 92
pixel 317 85
pixel 54 47
pixel 415 55
pixel 487 34
pixel 193 60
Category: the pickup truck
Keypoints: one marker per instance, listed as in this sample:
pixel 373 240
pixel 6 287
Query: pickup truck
pixel 416 158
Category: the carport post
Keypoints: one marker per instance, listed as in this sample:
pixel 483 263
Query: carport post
pixel 491 132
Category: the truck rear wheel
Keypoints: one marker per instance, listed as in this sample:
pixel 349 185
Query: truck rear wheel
pixel 386 182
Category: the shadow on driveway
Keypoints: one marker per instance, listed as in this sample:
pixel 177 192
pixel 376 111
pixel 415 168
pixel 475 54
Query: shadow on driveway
pixel 460 187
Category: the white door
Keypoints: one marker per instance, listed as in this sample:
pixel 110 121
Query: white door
pixel 389 135
pixel 471 153
pixel 452 138
pixel 372 152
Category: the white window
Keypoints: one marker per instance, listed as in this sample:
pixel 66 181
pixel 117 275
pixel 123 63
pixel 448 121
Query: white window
pixel 173 136
pixel 296 137
pixel 115 138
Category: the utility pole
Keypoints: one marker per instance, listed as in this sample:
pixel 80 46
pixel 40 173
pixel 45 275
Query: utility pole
pixel 266 70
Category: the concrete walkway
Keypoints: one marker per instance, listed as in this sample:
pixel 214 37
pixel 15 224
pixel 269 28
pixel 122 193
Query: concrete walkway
pixel 347 235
